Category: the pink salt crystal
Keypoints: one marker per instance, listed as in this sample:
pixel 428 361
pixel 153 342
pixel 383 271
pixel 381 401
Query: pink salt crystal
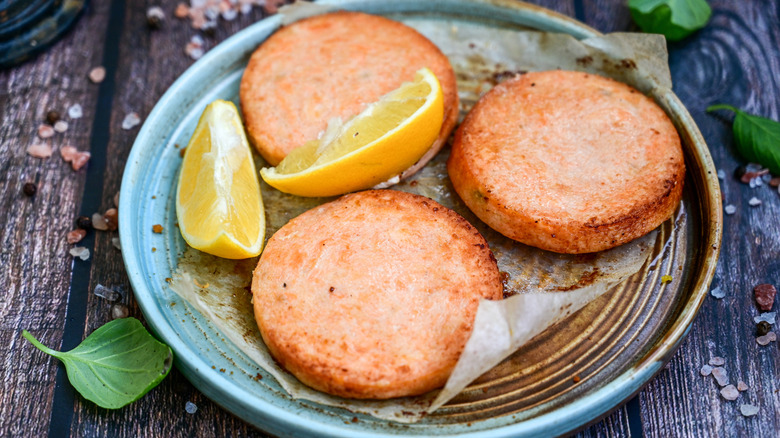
pixel 116 200
pixel 68 153
pixel 721 376
pixel 97 74
pixel 766 339
pixel 742 386
pixel 76 235
pixel 45 131
pixel 99 222
pixel 705 370
pixel 729 392
pixel 115 242
pixel 272 6
pixel 181 11
pixel 131 121
pixel 717 361
pixel 79 160
pixel 748 410
pixel 40 151
pixel 765 296
pixel 61 126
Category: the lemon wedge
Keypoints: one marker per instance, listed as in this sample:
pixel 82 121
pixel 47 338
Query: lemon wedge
pixel 385 139
pixel 218 200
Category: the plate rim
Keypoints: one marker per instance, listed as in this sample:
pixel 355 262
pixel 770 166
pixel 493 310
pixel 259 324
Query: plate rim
pixel 275 419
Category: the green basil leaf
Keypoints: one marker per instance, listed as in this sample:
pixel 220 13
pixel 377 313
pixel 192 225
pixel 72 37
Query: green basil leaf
pixel 757 138
pixel 675 19
pixel 117 364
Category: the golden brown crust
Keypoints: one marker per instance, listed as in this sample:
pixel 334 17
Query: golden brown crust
pixel 353 297
pixel 329 66
pixel 568 162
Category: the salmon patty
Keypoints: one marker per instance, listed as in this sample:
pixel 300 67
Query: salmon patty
pixel 329 66
pixel 568 162
pixel 373 295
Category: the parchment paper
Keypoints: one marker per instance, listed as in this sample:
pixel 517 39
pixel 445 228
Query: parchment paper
pixel 545 287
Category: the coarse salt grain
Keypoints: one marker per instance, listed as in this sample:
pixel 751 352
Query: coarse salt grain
pixel 767 316
pixel 131 121
pixel 721 174
pixel 99 222
pixel 106 293
pixel 61 126
pixel 748 410
pixel 230 14
pixel 730 209
pixel 119 310
pixel 75 111
pixel 718 292
pixel 40 151
pixel 76 235
pixel 756 182
pixel 721 376
pixel 45 131
pixel 97 74
pixel 729 392
pixel 181 11
pixel 705 370
pixel 753 202
pixel 766 339
pixel 717 361
pixel 742 386
pixel 190 407
pixel 80 252
pixel 193 51
pixel 76 159
pixel 115 241
pixel 765 296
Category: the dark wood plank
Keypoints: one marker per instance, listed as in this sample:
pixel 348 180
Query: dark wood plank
pixel 35 266
pixel 735 60
pixel 149 62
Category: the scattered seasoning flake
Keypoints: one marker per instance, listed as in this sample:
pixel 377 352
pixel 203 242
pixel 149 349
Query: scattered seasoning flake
pixel 131 121
pixel 766 339
pixel 80 252
pixel 721 174
pixel 730 209
pixel 748 410
pixel 106 293
pixel 774 182
pixel 763 328
pixel 155 17
pixel 754 202
pixel 76 235
pixel 181 152
pixel 157 228
pixel 61 126
pixel 768 317
pixel 84 222
pixel 112 219
pixel 717 361
pixel 705 370
pixel 729 392
pixel 45 131
pixel 40 151
pixel 190 407
pixel 99 222
pixel 666 279
pixel 742 386
pixel 75 111
pixel 721 376
pixel 52 117
pixel 154 249
pixel 119 310
pixel 765 296
pixel 97 74
pixel 115 242
pixel 29 189
pixel 718 293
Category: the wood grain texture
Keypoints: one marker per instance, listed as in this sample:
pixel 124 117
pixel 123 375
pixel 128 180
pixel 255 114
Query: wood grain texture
pixel 36 267
pixel 735 60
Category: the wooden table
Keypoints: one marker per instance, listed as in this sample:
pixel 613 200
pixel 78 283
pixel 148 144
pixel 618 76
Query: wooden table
pixel 735 59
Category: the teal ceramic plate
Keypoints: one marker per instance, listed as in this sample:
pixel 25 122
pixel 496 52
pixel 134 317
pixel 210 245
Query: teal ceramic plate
pixel 614 345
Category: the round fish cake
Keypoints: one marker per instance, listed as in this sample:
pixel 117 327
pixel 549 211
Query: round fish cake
pixel 333 65
pixel 568 162
pixel 373 295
